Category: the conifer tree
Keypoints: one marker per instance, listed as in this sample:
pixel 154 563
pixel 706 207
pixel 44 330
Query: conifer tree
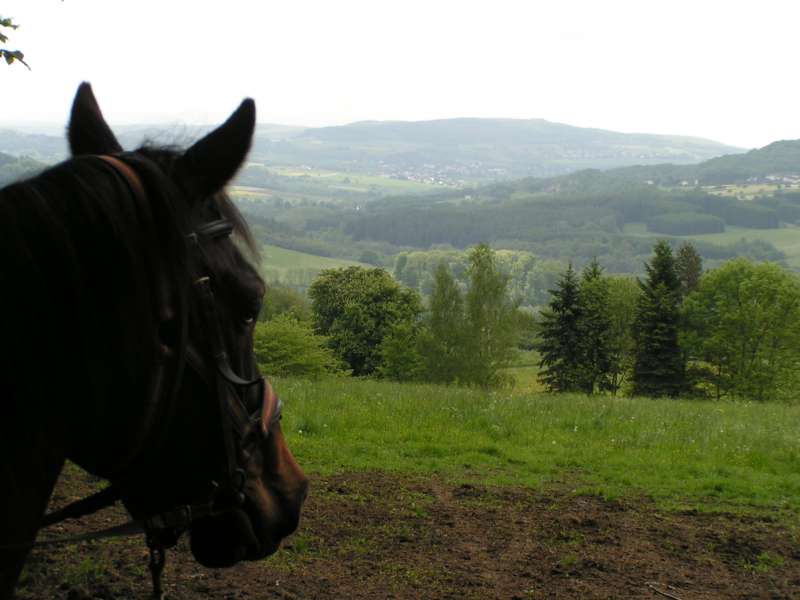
pixel 595 329
pixel 560 345
pixel 689 268
pixel 659 367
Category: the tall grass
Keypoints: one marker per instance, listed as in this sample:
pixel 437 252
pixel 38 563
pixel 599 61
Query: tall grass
pixel 686 453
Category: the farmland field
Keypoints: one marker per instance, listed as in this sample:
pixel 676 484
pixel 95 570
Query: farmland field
pixel 786 239
pixel 355 181
pixel 289 267
pixel 746 191
pixel 434 492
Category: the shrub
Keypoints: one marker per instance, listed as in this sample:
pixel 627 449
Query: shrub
pixel 286 346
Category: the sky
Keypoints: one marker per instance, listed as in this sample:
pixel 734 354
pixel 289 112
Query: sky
pixel 724 70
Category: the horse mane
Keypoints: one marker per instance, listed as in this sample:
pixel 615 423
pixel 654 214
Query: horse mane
pixel 83 252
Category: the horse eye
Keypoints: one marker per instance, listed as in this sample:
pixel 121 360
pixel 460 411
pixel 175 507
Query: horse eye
pixel 248 320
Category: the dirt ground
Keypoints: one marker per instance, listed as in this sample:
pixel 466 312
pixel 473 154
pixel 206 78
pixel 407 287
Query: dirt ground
pixel 375 535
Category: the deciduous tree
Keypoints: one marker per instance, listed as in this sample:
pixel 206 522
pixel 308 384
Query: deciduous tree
pixel 356 308
pixel 744 320
pixel 623 295
pixel 444 344
pixel 491 319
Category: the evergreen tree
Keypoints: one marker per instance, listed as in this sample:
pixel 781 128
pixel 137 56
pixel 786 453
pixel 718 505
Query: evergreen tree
pixel 491 320
pixel 443 345
pixel 595 329
pixel 689 268
pixel 560 345
pixel 659 366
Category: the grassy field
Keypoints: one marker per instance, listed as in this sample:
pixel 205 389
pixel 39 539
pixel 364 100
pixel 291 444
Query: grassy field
pixel 273 257
pixel 355 181
pixel 279 265
pixel 785 239
pixel 440 493
pixel 707 456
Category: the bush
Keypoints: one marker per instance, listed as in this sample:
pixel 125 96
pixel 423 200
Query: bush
pixel 286 346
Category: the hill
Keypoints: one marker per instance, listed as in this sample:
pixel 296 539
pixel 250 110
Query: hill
pixel 47 148
pixel 449 151
pixel 612 215
pixel 13 167
pixel 779 161
pixel 462 150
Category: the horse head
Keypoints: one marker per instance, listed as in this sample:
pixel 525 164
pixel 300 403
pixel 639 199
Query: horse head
pixel 215 440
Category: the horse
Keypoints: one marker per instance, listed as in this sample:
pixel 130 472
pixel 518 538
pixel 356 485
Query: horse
pixel 128 296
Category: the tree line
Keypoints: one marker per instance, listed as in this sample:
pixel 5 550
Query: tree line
pixel 363 322
pixel 733 331
pixel 730 332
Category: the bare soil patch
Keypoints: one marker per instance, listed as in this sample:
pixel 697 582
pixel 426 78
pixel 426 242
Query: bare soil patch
pixel 378 535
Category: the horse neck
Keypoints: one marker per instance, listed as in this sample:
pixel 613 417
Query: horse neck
pixel 75 311
pixel 32 453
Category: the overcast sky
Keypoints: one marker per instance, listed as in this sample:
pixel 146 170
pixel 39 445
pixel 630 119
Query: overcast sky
pixel 725 70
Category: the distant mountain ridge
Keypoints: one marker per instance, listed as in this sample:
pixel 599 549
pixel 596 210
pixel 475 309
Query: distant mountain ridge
pixel 778 159
pixel 492 131
pixel 451 151
pixel 470 149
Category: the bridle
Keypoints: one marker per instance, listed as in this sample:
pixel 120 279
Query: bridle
pixel 243 427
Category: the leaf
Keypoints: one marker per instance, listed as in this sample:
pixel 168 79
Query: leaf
pixel 16 55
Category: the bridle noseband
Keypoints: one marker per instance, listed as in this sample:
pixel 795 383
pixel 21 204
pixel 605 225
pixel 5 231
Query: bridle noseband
pixel 242 426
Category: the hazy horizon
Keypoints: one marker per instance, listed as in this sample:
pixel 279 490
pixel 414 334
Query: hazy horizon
pixel 719 71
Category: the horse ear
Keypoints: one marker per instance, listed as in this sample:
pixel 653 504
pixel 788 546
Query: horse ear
pixel 88 132
pixel 213 161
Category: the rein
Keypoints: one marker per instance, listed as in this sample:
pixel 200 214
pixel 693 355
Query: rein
pixel 239 425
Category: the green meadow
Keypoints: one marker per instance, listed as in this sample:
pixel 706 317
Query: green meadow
pixel 280 265
pixel 737 457
pixel 786 239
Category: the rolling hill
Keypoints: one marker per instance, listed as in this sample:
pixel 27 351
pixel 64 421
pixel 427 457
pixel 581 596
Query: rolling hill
pixel 452 151
pixel 469 150
pixel 776 161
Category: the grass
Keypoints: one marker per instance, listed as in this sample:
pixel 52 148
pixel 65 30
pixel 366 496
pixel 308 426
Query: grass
pixel 706 456
pixel 764 563
pixel 280 265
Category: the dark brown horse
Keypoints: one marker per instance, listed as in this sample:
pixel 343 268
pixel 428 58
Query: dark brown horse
pixel 127 304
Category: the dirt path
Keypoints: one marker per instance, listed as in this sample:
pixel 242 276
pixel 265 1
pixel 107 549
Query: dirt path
pixel 385 536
